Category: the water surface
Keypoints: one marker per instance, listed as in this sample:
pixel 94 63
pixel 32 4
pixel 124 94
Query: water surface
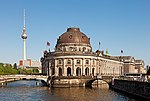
pixel 26 90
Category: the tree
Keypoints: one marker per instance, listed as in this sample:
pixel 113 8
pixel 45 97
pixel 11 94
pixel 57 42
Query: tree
pixel 148 70
pixel 35 71
pixel 15 66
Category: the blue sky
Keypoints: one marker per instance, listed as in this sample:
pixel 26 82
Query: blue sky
pixel 117 24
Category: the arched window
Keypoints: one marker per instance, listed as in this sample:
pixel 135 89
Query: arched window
pixel 87 71
pixel 60 71
pixel 69 62
pixel 78 61
pixel 68 71
pixel 78 71
pixel 79 49
pixel 83 49
pixel 93 71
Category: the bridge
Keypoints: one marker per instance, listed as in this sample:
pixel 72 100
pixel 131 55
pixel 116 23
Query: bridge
pixel 57 80
pixel 68 81
pixel 106 79
pixel 8 78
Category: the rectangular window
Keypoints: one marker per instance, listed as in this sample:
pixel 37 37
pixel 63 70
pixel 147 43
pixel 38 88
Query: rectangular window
pixel 78 61
pixel 69 62
pixel 87 61
pixel 59 61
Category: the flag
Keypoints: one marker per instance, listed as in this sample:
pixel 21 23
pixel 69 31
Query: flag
pixel 121 51
pixel 48 44
pixel 99 43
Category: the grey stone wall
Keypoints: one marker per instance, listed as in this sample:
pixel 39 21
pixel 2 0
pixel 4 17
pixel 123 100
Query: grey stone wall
pixel 140 89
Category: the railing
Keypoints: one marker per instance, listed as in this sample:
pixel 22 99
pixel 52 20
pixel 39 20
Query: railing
pixel 7 77
pixel 135 78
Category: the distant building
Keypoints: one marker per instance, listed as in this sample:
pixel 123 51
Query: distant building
pixel 139 64
pixel 73 56
pixel 132 66
pixel 29 64
pixel 7 64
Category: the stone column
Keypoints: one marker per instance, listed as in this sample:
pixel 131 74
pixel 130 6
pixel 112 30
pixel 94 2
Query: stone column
pixel 73 67
pixel 97 66
pixel 63 67
pixel 56 68
pixel 50 71
pixel 90 66
pixel 83 69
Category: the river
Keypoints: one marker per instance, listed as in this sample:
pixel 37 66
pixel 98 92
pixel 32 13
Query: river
pixel 28 90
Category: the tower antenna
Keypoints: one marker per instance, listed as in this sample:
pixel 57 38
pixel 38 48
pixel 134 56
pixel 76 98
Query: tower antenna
pixel 24 18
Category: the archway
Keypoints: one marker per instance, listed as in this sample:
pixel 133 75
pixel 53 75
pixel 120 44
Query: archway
pixel 60 71
pixel 102 83
pixel 93 71
pixel 53 71
pixel 68 71
pixel 87 71
pixel 78 71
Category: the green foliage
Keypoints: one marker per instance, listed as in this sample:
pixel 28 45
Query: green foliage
pixel 7 69
pixel 148 71
pixel 35 71
pixel 15 66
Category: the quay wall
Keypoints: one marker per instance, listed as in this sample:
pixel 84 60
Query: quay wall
pixel 74 82
pixel 68 83
pixel 135 88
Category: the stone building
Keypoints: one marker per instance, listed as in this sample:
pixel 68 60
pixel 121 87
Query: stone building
pixel 73 56
pixel 133 66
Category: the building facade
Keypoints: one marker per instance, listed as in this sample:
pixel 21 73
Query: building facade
pixel 30 64
pixel 73 56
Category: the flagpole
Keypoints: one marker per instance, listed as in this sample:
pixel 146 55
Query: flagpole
pixel 123 63
pixel 99 46
pixel 48 45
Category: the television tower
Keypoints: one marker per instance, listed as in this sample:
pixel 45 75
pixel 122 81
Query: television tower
pixel 24 37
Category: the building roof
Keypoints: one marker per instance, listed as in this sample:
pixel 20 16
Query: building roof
pixel 139 62
pixel 73 35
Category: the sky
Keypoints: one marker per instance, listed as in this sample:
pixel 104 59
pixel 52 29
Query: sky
pixel 116 24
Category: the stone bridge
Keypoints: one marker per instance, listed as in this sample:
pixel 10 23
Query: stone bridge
pixel 69 81
pixel 8 78
pixel 107 79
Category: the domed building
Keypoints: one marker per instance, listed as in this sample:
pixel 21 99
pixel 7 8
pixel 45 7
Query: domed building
pixel 73 56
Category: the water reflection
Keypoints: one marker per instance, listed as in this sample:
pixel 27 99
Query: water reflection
pixel 30 92
pixel 25 83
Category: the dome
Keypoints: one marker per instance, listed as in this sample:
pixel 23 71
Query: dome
pixel 73 35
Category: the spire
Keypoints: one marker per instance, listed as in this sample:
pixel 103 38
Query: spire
pixel 24 35
pixel 24 19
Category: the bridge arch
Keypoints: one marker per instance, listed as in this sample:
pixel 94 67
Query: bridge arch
pixel 88 83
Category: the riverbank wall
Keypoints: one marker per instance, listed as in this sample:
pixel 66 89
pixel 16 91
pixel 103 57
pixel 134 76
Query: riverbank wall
pixel 72 81
pixel 135 88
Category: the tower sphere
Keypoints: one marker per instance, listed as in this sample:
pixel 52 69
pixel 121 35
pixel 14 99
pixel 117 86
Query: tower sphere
pixel 24 35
